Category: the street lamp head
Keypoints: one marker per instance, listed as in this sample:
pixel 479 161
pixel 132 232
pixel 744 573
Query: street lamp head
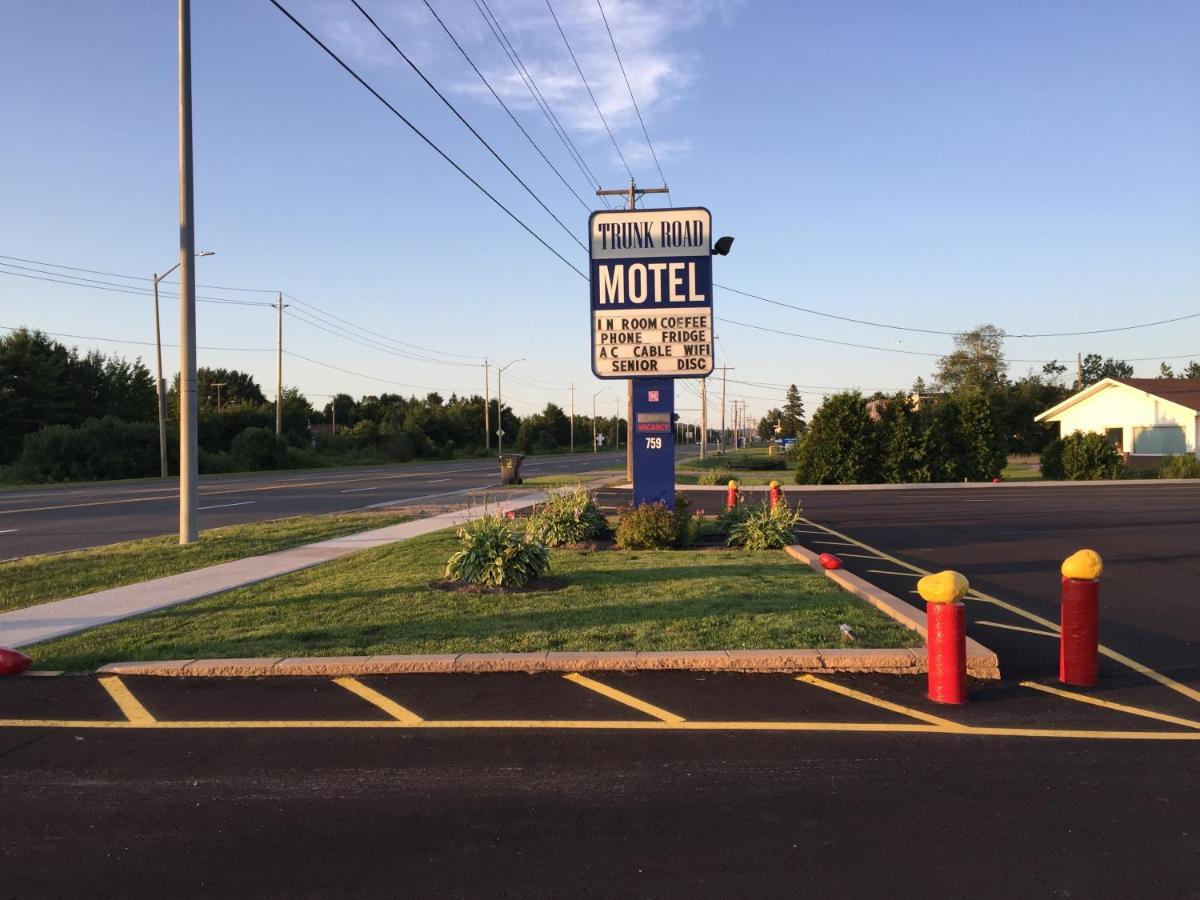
pixel 206 252
pixel 723 246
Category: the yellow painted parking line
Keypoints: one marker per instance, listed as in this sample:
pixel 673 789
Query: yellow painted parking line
pixel 389 706
pixel 600 725
pixel 1108 704
pixel 129 704
pixel 889 572
pixel 621 697
pixel 1165 680
pixel 1021 628
pixel 876 701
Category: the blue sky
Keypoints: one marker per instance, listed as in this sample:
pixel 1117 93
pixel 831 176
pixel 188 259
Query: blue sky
pixel 930 164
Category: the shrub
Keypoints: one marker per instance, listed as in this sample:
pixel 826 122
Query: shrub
pixel 1052 461
pixel 1088 456
pixel 763 528
pixel 567 517
pixel 97 449
pixel 1186 466
pixel 714 476
pixel 652 526
pixel 841 445
pixel 732 517
pixel 258 448
pixel 494 553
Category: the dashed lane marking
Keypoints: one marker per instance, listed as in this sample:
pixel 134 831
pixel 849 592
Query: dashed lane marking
pixel 1140 668
pixel 7 530
pixel 621 697
pixel 1021 628
pixel 129 704
pixel 389 706
pixel 1108 704
pixel 876 701
pixel 226 505
pixel 359 490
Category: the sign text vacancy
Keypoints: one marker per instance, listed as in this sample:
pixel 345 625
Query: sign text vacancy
pixel 651 272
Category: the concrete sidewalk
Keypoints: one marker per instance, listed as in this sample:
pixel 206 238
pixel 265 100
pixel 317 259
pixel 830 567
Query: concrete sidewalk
pixel 22 627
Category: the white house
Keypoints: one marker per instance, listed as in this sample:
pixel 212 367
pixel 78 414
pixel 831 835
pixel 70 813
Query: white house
pixel 1143 417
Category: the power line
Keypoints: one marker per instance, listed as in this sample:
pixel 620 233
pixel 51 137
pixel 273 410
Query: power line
pixel 527 78
pixel 649 143
pixel 440 152
pixel 211 287
pixel 336 331
pixel 108 340
pixel 578 69
pixel 471 128
pixel 816 312
pixel 114 288
pixel 504 106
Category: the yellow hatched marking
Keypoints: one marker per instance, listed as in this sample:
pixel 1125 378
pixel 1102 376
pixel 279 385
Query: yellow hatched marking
pixel 389 706
pixel 640 725
pixel 876 701
pixel 1022 628
pixel 621 697
pixel 1108 704
pixel 129 704
pixel 890 572
pixel 1164 680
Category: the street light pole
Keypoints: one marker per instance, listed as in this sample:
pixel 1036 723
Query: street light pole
pixel 500 408
pixel 572 418
pixel 189 450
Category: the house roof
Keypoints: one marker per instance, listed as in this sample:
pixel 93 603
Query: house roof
pixel 1184 391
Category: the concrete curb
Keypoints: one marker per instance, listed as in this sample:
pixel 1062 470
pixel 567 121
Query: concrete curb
pixel 944 485
pixel 981 662
pixel 896 662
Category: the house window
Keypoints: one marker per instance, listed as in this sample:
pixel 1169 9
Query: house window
pixel 1116 437
pixel 1159 440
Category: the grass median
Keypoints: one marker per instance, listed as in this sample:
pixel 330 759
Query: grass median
pixel 40 579
pixel 381 601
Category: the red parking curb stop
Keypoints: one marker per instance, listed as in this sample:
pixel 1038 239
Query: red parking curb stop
pixel 13 662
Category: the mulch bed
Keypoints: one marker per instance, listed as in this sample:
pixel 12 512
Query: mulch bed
pixel 536 586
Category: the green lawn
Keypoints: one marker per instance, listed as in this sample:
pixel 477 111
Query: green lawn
pixel 744 478
pixel 379 601
pixel 1022 468
pixel 39 579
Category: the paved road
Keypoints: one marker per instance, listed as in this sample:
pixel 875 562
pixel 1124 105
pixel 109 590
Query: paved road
pixel 574 793
pixel 68 518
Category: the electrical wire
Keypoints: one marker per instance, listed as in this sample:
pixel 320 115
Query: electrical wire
pixel 504 106
pixel 108 340
pixel 471 128
pixel 527 78
pixel 578 69
pixel 636 109
pixel 442 153
pixel 114 288
pixel 915 330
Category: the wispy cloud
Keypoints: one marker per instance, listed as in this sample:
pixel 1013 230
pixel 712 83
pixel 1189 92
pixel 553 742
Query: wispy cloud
pixel 648 33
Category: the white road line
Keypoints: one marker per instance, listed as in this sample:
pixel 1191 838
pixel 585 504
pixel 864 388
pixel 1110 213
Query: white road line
pixel 358 490
pixel 436 480
pixel 227 505
pixel 8 531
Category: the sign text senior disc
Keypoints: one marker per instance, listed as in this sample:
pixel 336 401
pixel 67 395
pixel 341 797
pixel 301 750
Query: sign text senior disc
pixel 651 272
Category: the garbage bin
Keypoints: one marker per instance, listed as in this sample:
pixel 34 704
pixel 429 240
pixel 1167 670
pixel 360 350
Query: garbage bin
pixel 510 468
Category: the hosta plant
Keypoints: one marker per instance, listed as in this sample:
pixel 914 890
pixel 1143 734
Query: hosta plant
pixel 763 528
pixel 494 553
pixel 567 517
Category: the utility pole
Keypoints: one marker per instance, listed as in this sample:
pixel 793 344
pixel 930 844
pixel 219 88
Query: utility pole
pixel 487 409
pixel 1078 371
pixel 189 450
pixel 279 368
pixel 333 413
pixel 703 416
pixel 500 407
pixel 631 193
pixel 572 418
pixel 162 388
pixel 721 437
pixel 218 385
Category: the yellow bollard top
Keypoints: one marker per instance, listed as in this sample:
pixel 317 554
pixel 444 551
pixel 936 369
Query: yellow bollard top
pixel 1084 565
pixel 733 482
pixel 944 587
pixel 775 484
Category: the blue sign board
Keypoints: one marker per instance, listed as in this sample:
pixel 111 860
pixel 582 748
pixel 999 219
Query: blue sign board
pixel 654 441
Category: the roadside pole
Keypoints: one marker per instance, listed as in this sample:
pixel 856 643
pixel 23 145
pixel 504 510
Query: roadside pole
pixel 162 393
pixel 703 417
pixel 189 473
pixel 572 418
pixel 487 408
pixel 279 369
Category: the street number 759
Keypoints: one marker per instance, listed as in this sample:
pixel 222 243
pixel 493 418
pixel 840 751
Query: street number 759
pixel 653 443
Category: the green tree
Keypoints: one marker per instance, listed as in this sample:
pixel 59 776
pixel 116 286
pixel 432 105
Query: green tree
pixel 841 445
pixel 977 361
pixel 768 423
pixel 1192 370
pixel 1165 371
pixel 1093 368
pixel 792 413
pixel 903 444
pixel 983 441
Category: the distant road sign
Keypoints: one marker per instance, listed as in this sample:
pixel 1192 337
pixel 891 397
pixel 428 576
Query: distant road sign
pixel 651 309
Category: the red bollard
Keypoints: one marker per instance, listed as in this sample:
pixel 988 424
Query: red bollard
pixel 1079 643
pixel 731 495
pixel 776 494
pixel 946 620
pixel 947 652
